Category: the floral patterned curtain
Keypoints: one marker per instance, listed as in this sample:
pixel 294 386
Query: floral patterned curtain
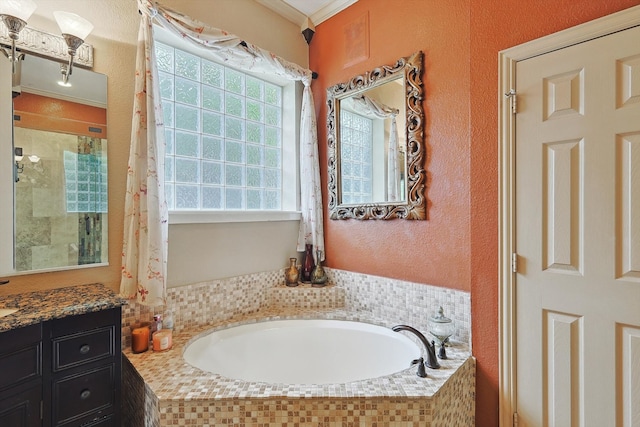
pixel 146 278
pixel 240 54
pixel 144 251
pixel 311 226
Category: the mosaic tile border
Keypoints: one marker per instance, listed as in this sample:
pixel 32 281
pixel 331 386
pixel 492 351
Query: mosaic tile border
pixel 408 302
pixel 177 394
pixel 208 303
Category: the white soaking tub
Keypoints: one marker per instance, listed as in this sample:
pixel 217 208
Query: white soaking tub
pixel 303 352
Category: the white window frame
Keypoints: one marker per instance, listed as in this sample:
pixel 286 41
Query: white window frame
pixel 291 109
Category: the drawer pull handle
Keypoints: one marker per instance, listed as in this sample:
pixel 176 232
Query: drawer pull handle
pixel 85 394
pixel 85 349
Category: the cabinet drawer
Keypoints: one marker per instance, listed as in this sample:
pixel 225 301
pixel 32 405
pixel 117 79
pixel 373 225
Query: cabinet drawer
pixel 20 356
pixel 84 322
pixel 83 347
pixel 84 397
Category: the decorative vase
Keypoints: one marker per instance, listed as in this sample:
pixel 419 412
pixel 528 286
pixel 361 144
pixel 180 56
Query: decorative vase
pixel 291 274
pixel 318 277
pixel 307 264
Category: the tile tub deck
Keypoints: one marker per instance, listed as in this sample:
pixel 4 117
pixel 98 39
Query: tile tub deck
pixel 164 390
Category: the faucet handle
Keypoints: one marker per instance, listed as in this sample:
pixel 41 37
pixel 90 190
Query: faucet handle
pixel 422 372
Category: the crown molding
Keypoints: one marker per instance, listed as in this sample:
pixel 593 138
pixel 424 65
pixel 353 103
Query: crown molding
pixel 329 10
pixel 284 9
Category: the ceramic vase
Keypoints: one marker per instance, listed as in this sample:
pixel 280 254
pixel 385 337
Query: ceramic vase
pixel 291 273
pixel 307 264
pixel 318 276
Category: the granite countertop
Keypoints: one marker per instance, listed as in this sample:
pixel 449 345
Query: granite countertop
pixel 39 306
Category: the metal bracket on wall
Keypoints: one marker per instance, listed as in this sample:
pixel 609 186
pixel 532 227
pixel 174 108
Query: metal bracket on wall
pixel 47 45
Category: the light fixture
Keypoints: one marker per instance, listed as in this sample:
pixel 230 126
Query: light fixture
pixel 64 70
pixel 308 30
pixel 14 14
pixel 74 29
pixel 18 156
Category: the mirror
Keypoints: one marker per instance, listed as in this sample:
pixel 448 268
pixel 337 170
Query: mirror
pixel 375 144
pixel 59 177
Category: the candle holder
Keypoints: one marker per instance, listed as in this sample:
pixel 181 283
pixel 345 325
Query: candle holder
pixel 441 327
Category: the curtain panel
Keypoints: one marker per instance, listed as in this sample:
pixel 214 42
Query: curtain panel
pixel 144 248
pixel 145 279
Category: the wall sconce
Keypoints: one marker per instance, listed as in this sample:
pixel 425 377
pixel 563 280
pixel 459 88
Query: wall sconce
pixel 308 30
pixel 64 70
pixel 18 156
pixel 14 14
pixel 74 29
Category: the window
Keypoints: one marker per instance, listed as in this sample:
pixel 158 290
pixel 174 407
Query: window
pixel 224 132
pixel 356 157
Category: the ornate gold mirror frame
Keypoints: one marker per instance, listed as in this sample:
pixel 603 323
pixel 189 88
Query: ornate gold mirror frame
pixel 412 202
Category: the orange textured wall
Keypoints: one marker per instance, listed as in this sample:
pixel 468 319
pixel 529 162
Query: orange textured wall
pixel 57 115
pixel 497 26
pixel 436 251
pixel 458 246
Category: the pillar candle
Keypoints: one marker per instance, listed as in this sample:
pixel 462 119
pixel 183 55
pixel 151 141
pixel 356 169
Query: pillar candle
pixel 140 339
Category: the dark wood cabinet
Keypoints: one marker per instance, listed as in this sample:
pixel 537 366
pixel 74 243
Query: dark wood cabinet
pixel 64 372
pixel 84 379
pixel 21 376
pixel 21 409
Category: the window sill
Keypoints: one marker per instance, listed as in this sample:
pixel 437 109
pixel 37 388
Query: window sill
pixel 200 217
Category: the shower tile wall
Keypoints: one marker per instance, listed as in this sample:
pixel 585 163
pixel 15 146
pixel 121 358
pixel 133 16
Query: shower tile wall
pixel 41 223
pixel 47 234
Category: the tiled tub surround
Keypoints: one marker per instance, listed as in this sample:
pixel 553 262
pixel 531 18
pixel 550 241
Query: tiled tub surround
pixel 161 389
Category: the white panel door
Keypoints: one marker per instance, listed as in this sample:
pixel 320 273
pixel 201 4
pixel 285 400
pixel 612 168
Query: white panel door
pixel 578 235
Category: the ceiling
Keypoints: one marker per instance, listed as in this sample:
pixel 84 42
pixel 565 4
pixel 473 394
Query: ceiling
pixel 297 11
pixel 116 19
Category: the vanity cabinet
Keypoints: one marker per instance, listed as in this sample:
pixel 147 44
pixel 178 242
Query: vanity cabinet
pixel 69 368
pixel 21 376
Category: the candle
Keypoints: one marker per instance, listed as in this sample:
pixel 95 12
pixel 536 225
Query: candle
pixel 162 340
pixel 140 339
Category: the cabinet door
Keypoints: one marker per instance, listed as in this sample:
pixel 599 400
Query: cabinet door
pixel 83 382
pixel 85 396
pixel 21 409
pixel 20 357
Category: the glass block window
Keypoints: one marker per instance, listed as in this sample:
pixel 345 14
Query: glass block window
pixel 85 182
pixel 356 142
pixel 223 132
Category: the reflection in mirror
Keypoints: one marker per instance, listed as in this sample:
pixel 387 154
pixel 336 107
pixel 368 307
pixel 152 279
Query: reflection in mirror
pixel 60 175
pixel 375 144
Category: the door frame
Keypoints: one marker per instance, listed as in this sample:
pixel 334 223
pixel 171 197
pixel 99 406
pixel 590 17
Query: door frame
pixel 507 60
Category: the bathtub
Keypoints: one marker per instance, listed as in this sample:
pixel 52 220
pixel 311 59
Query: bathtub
pixel 303 351
pixel 162 389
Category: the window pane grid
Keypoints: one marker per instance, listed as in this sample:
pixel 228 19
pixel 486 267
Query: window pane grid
pixel 223 131
pixel 356 157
